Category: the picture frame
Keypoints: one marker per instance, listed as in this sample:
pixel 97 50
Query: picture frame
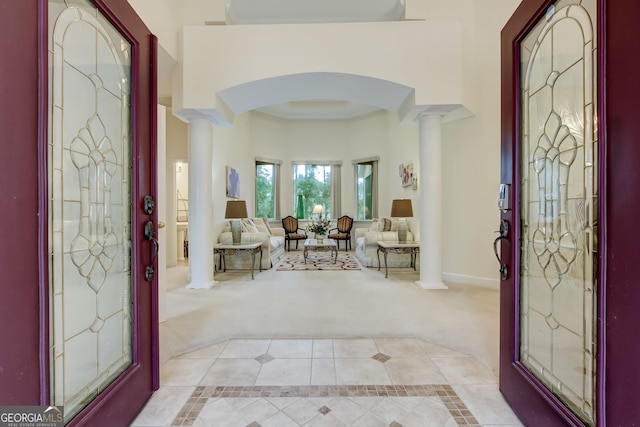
pixel 406 174
pixel 233 183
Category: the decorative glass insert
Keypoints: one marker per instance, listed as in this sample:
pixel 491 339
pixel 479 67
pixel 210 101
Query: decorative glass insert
pixel 559 204
pixel 89 203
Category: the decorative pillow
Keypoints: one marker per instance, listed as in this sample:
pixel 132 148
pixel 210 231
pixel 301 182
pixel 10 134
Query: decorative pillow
pixel 387 224
pixel 375 224
pixel 266 222
pixel 261 226
pixel 248 226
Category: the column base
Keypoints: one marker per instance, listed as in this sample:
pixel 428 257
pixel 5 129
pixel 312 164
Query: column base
pixel 205 285
pixel 431 285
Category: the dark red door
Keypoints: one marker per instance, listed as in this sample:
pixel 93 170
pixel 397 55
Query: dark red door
pixel 569 158
pixel 77 158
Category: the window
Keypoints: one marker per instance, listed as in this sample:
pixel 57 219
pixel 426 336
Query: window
pixel 267 183
pixel 366 173
pixel 311 186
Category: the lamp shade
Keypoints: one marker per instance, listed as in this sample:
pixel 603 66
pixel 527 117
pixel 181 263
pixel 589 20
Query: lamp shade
pixel 318 209
pixel 401 208
pixel 236 209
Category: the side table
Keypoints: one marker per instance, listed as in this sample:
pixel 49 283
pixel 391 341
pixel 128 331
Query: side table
pixel 250 248
pixel 412 248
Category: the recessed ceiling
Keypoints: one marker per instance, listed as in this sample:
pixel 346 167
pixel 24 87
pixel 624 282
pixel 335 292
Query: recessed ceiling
pixel 320 95
pixel 310 11
pixel 325 110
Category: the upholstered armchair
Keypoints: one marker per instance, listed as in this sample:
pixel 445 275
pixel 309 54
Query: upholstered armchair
pixel 342 231
pixel 292 232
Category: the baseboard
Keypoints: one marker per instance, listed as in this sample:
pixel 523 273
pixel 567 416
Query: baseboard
pixel 471 280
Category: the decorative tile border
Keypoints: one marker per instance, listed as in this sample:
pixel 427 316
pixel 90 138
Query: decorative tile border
pixel 457 408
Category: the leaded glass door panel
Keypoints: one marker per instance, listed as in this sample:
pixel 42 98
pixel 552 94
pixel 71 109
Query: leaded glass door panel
pixel 549 298
pixel 558 204
pixel 98 298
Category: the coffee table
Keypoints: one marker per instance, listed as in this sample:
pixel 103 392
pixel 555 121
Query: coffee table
pixel 326 244
pixel 412 248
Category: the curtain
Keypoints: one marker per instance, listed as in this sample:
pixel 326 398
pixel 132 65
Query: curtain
pixel 336 191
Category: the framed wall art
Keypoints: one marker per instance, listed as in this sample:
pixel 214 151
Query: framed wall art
pixel 233 183
pixel 406 174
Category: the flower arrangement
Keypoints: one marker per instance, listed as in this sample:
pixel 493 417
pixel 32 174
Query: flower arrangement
pixel 320 226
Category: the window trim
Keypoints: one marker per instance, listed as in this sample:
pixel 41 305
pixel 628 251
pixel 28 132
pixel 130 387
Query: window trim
pixel 374 161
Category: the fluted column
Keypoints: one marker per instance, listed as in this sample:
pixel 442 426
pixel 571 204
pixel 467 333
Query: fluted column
pixel 200 204
pixel 430 180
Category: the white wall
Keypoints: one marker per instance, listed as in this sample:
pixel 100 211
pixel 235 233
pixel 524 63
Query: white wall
pixel 471 154
pixel 425 56
pixel 166 17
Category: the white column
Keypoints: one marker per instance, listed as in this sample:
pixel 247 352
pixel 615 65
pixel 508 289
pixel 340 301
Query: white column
pixel 430 202
pixel 200 204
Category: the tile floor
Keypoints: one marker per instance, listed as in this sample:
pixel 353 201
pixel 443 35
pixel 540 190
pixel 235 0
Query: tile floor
pixel 326 382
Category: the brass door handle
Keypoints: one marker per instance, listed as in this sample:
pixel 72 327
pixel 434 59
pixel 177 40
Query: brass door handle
pixel 161 224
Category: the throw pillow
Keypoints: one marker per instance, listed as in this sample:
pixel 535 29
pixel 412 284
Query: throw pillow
pixel 387 224
pixel 266 222
pixel 375 224
pixel 248 226
pixel 261 226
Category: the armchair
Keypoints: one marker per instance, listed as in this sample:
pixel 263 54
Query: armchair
pixel 342 231
pixel 290 225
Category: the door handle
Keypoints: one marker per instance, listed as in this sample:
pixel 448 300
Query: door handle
pixel 149 233
pixel 503 234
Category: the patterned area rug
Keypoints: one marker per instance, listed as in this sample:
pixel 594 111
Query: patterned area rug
pixel 318 261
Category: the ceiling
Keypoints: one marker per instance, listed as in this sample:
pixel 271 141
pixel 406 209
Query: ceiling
pixel 242 12
pixel 312 11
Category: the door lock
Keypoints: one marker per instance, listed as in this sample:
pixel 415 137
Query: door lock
pixel 148 205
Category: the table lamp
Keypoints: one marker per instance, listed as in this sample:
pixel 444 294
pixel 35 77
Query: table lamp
pixel 318 210
pixel 236 210
pixel 401 209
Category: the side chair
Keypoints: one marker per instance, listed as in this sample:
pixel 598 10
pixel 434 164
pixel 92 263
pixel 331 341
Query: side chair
pixel 342 231
pixel 292 231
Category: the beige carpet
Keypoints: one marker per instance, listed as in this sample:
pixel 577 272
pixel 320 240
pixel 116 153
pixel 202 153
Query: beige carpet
pixel 333 304
pixel 318 261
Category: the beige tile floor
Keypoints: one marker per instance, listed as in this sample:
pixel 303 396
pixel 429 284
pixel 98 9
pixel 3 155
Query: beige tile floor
pixel 327 349
pixel 326 382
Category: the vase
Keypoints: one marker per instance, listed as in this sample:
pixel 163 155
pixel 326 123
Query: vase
pixel 320 237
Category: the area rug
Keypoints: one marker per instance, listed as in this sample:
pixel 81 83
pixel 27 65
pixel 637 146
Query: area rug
pixel 318 261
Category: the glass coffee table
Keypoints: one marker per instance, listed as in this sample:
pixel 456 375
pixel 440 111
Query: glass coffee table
pixel 325 245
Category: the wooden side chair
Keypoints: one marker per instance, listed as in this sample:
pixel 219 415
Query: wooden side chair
pixel 292 232
pixel 342 231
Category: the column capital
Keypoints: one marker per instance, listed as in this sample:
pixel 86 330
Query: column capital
pixel 450 111
pixel 187 115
